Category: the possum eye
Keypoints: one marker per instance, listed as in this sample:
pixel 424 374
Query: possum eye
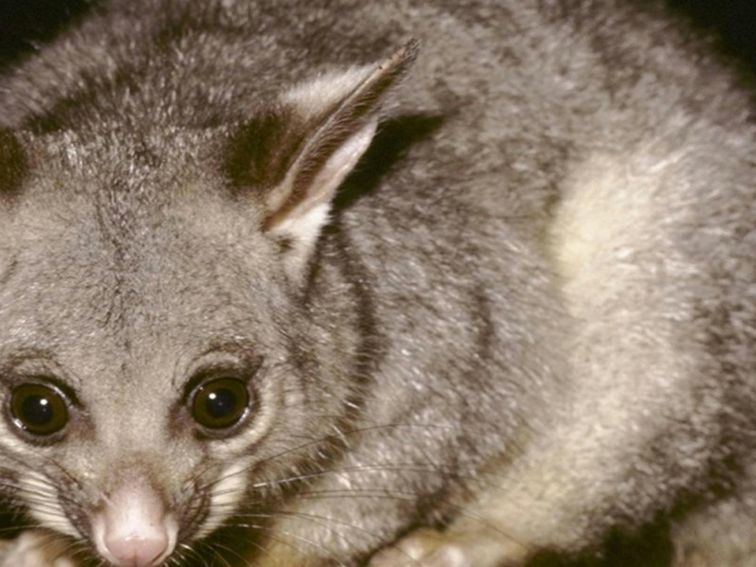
pixel 220 403
pixel 38 410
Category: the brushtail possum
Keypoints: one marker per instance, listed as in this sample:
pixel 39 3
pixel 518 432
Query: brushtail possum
pixel 340 283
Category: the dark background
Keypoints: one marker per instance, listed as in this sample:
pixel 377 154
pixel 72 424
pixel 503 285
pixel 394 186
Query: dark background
pixel 27 24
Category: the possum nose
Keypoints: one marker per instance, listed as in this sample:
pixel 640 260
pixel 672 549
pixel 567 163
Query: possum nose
pixel 137 550
pixel 133 528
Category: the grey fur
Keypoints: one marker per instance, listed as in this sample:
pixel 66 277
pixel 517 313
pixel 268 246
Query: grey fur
pixel 465 348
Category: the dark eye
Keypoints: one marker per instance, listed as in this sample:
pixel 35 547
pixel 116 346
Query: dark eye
pixel 220 403
pixel 39 410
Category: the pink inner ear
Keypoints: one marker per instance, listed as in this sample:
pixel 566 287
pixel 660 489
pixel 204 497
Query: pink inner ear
pixel 328 178
pixel 344 109
pixel 338 167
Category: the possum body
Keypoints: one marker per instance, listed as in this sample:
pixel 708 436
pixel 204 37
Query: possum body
pixel 390 283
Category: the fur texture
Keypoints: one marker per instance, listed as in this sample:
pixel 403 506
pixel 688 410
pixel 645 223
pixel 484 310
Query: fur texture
pixel 526 318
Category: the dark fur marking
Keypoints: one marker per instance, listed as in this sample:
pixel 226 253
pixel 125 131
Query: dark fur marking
pixel 95 92
pixel 10 270
pixel 337 124
pixel 394 139
pixel 262 150
pixel 13 164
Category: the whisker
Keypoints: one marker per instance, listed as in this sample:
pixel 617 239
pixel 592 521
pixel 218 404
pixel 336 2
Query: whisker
pixel 220 556
pixel 211 545
pixel 309 444
pixel 320 520
pixel 80 549
pixel 316 545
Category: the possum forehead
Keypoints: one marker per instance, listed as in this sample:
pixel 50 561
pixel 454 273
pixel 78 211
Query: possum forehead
pixel 75 275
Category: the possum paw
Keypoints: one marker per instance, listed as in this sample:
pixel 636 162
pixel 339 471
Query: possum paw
pixel 424 547
pixel 35 549
pixel 431 548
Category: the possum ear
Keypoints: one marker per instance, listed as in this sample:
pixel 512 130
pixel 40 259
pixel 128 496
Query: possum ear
pixel 298 154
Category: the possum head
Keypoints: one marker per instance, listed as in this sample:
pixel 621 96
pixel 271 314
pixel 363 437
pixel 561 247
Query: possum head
pixel 161 361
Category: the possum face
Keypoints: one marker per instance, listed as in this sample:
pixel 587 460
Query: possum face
pixel 135 395
pixel 159 367
pixel 139 407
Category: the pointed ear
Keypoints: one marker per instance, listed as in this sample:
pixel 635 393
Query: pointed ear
pixel 299 153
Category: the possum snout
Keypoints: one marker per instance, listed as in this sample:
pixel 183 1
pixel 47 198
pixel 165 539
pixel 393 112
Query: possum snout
pixel 133 528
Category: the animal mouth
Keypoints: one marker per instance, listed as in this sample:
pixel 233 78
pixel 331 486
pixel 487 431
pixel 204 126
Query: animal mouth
pixel 133 528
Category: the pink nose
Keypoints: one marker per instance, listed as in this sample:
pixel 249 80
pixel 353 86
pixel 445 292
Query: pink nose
pixel 137 551
pixel 133 528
